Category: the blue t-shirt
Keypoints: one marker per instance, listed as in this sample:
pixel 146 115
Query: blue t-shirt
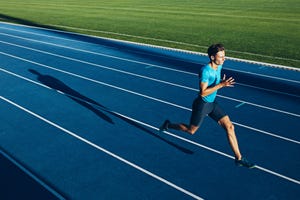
pixel 211 77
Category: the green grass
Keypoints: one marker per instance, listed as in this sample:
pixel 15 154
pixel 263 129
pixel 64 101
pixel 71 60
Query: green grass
pixel 261 30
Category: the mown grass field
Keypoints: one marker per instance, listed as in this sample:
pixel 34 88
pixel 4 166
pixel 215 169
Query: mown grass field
pixel 261 30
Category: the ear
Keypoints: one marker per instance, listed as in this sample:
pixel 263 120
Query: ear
pixel 212 58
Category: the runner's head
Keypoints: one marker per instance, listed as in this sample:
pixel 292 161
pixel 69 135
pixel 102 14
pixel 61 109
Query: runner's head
pixel 216 54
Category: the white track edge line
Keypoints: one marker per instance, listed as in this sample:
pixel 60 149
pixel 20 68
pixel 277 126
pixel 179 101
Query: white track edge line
pixel 115 57
pixel 100 66
pixel 145 77
pixel 184 139
pixel 102 149
pixel 91 52
pixel 148 97
pixel 166 132
pixel 143 63
pixel 160 47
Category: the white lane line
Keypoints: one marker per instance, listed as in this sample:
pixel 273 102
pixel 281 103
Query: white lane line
pixel 229 156
pixel 161 47
pixel 178 137
pixel 100 66
pixel 166 132
pixel 269 90
pixel 115 57
pixel 260 106
pixel 278 175
pixel 98 54
pixel 103 149
pixel 267 133
pixel 146 77
pixel 142 95
pixel 31 175
pixel 143 63
pixel 266 76
pixel 95 81
pixel 239 105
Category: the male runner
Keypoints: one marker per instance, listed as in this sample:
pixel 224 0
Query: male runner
pixel 210 82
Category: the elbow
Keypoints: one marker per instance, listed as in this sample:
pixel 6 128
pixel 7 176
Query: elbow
pixel 202 94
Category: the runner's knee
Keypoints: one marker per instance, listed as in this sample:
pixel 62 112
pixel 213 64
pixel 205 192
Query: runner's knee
pixel 227 124
pixel 192 130
pixel 230 127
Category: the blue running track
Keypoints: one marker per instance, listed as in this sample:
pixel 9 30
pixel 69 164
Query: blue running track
pixel 80 117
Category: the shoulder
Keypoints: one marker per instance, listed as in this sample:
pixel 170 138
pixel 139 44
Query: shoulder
pixel 205 69
pixel 205 72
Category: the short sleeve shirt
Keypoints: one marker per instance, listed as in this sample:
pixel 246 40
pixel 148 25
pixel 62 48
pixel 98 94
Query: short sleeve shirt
pixel 212 77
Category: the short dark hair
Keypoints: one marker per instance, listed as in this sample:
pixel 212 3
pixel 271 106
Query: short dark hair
pixel 214 49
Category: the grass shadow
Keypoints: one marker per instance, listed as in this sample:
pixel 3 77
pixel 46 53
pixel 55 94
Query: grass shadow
pixel 140 51
pixel 7 18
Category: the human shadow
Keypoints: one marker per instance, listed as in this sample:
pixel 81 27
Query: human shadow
pixel 95 107
pixel 58 85
pixel 185 150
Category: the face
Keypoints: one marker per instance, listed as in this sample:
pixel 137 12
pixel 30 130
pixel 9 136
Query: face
pixel 219 58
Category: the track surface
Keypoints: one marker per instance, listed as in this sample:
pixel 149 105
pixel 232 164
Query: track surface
pixel 80 117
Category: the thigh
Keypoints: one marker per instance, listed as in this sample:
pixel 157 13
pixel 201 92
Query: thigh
pixel 226 123
pixel 199 112
pixel 217 112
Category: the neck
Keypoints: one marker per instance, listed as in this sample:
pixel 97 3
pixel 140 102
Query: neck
pixel 213 65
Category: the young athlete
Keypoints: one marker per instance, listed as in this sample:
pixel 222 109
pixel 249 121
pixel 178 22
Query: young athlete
pixel 210 82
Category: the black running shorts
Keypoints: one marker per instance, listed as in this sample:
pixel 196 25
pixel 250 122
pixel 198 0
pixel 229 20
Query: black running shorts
pixel 202 108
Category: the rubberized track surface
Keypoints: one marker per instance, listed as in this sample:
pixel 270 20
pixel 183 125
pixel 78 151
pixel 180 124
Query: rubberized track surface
pixel 80 118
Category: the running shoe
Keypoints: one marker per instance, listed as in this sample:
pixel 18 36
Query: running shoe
pixel 164 126
pixel 245 163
